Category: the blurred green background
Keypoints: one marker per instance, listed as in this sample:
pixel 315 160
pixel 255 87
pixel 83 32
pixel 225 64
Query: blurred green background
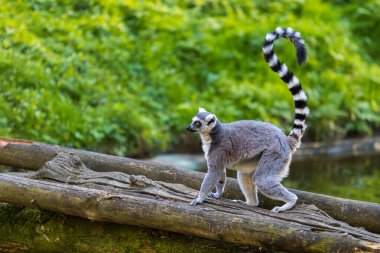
pixel 126 77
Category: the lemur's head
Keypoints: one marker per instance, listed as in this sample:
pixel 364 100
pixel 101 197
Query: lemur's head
pixel 203 122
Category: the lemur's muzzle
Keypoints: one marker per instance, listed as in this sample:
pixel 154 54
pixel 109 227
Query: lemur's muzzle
pixel 190 128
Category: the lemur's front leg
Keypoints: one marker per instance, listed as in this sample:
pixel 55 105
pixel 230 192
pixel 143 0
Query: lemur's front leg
pixel 220 185
pixel 214 173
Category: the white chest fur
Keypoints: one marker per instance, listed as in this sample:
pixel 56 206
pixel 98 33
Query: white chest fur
pixel 206 143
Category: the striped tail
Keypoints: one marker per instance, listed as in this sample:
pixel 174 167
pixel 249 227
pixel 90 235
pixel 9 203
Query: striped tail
pixel 294 85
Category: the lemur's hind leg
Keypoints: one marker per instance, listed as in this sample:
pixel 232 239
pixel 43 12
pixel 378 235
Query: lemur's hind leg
pixel 271 170
pixel 220 185
pixel 248 188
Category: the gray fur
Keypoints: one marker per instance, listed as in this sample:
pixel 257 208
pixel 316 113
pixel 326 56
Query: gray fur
pixel 241 145
pixel 259 151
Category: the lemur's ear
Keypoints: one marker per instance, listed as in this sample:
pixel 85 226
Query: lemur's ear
pixel 201 110
pixel 210 119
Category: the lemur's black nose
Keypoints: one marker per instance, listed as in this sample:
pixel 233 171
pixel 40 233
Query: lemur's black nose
pixel 189 128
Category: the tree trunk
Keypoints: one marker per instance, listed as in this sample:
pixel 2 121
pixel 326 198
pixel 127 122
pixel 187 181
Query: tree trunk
pixel 66 185
pixel 33 155
pixel 35 230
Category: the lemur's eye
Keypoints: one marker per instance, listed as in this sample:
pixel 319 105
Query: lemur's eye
pixel 197 124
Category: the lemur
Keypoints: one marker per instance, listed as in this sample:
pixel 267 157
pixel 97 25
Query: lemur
pixel 259 151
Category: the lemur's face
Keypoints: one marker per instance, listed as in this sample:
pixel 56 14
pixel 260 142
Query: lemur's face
pixel 203 122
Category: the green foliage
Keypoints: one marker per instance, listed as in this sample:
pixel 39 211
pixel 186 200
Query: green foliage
pixel 126 77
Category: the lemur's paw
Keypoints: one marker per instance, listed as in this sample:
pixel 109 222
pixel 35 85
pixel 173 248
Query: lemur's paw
pixel 276 209
pixel 284 208
pixel 246 203
pixel 252 203
pixel 238 201
pixel 279 209
pixel 214 195
pixel 196 202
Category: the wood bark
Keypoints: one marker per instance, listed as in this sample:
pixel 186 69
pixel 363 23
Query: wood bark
pixel 33 155
pixel 25 229
pixel 66 185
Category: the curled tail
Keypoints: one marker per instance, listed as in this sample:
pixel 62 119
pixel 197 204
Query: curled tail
pixel 294 85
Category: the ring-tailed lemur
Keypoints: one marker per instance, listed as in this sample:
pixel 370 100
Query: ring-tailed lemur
pixel 260 152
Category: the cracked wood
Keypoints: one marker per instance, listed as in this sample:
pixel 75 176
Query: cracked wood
pixel 66 185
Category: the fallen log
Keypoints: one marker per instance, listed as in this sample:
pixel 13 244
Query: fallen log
pixel 33 155
pixel 66 185
pixel 26 229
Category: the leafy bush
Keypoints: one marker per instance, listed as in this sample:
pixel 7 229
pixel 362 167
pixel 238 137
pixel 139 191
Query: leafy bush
pixel 126 77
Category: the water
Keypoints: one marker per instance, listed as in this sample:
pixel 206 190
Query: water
pixel 352 178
